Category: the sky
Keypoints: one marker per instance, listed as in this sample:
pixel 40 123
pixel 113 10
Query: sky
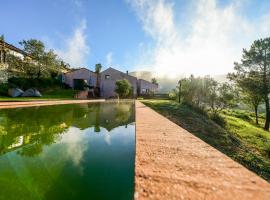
pixel 167 37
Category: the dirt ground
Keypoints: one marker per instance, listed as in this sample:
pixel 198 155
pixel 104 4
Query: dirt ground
pixel 43 103
pixel 171 163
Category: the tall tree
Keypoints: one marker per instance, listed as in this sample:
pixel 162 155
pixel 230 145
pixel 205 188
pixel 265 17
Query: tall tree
pixel 36 49
pixel 45 63
pixel 98 68
pixel 256 61
pixel 179 87
pixel 154 81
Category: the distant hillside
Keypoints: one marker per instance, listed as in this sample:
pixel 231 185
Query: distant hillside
pixel 166 84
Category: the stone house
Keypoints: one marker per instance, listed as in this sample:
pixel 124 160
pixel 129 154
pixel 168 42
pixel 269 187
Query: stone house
pixel 146 87
pixel 108 79
pixel 75 77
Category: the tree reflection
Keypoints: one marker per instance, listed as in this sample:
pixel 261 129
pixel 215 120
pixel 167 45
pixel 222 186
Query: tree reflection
pixel 28 130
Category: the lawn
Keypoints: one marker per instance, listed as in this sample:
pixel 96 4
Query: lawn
pixel 52 94
pixel 240 139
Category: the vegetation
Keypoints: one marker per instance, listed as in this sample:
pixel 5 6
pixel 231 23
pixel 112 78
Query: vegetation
pixel 205 93
pixel 39 69
pixel 250 85
pixel 240 138
pixel 123 88
pixel 98 68
pixel 154 81
pixel 38 64
pixel 252 75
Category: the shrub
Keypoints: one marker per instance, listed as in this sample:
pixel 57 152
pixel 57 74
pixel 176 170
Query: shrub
pixel 123 88
pixel 26 83
pixel 4 89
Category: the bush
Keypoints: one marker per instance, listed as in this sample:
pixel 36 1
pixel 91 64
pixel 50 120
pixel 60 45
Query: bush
pixel 172 96
pixel 26 83
pixel 218 119
pixel 4 89
pixel 123 88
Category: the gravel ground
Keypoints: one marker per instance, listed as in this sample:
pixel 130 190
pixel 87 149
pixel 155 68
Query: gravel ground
pixel 171 163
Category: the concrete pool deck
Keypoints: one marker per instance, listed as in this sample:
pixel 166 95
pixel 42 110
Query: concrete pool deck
pixel 45 103
pixel 171 163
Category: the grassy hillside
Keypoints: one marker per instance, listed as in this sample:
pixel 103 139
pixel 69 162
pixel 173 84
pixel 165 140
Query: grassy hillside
pixel 240 139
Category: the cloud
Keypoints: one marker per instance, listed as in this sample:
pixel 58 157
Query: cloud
pixel 207 41
pixel 75 146
pixel 76 50
pixel 109 58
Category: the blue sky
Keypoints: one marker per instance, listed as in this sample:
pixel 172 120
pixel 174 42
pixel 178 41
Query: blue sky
pixel 165 36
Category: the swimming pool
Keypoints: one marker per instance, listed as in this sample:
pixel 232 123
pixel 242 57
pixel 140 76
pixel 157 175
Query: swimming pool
pixel 75 151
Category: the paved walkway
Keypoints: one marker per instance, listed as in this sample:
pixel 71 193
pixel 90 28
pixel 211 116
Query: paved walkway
pixel 44 103
pixel 171 163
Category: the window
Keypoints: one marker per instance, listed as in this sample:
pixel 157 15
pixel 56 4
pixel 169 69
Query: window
pixel 107 76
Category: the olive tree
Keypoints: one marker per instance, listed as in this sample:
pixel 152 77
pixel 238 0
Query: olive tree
pixel 123 88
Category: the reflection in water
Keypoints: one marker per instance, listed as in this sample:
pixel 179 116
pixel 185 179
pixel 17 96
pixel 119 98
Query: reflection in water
pixel 32 128
pixel 75 145
pixel 78 151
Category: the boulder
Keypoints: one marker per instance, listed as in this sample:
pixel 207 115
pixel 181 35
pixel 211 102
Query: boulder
pixel 15 92
pixel 32 92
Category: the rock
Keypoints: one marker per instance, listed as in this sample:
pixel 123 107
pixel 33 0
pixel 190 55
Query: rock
pixel 32 92
pixel 15 92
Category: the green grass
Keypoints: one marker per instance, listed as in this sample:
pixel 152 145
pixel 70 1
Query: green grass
pixel 241 139
pixel 52 94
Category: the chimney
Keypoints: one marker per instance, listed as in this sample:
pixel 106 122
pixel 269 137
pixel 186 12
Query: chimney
pixel 127 72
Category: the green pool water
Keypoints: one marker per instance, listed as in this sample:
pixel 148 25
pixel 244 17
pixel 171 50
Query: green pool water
pixel 76 151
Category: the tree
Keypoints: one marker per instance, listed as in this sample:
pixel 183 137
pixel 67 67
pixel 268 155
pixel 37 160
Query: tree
pixel 2 38
pixel 205 93
pixel 249 91
pixel 256 62
pixel 35 48
pixel 154 81
pixel 123 88
pixel 224 97
pixel 179 87
pixel 44 63
pixel 98 68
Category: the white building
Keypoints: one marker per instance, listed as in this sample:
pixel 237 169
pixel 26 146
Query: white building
pixel 5 50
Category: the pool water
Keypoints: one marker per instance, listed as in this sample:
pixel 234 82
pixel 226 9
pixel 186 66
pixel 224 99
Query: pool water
pixel 76 151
